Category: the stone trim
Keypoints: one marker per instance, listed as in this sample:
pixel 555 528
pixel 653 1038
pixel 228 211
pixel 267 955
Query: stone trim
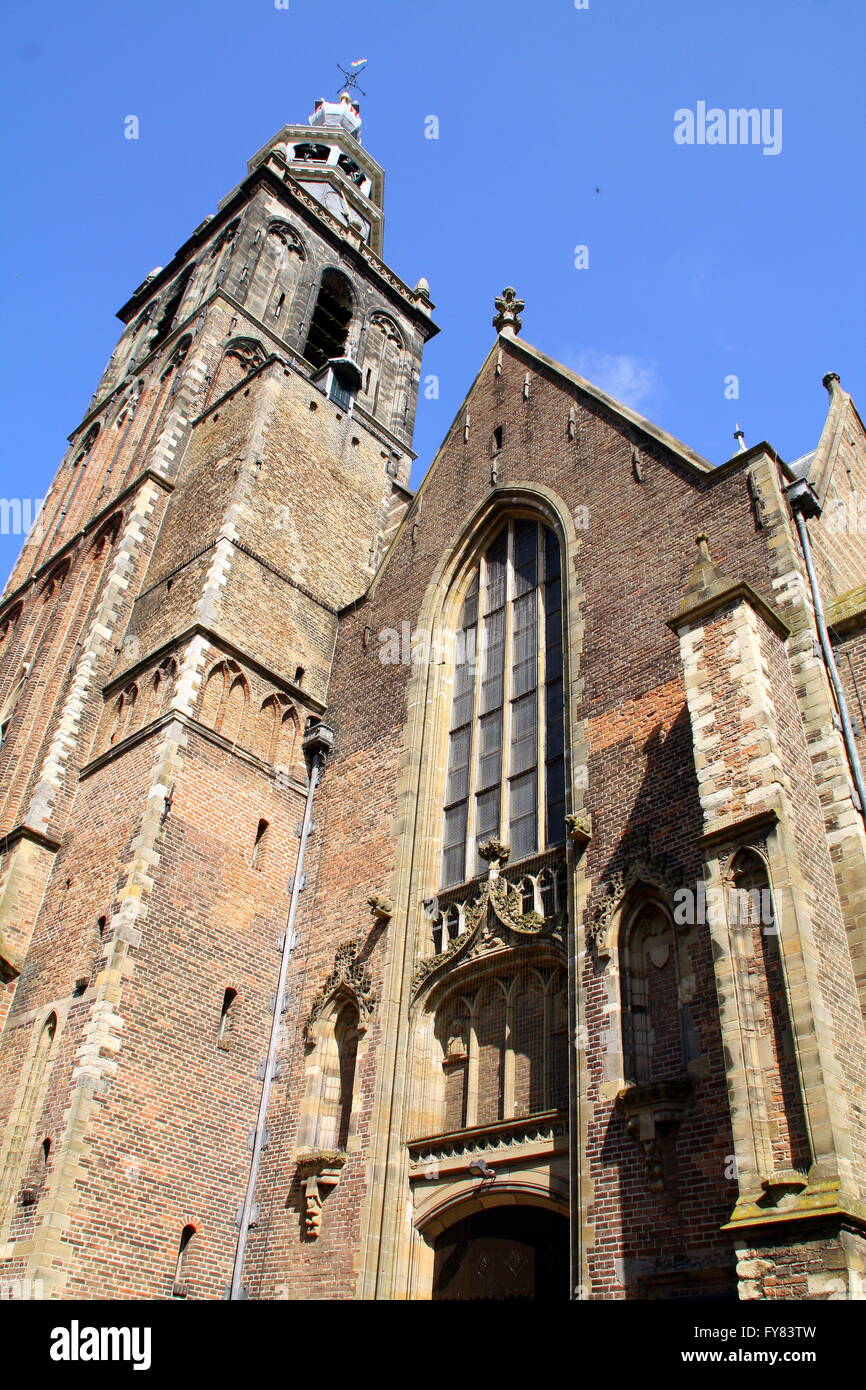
pixel 735 592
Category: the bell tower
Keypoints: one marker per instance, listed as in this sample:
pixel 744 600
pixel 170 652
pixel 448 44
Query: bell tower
pixel 165 639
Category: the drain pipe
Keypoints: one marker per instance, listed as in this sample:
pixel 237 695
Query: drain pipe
pixel 804 503
pixel 317 743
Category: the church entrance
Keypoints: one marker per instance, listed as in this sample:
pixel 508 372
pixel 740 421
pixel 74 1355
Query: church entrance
pixel 508 1252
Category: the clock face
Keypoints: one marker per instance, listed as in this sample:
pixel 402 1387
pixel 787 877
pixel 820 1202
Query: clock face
pixel 338 207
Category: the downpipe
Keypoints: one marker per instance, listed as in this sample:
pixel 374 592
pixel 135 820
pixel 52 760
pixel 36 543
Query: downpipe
pixel 317 744
pixel 804 503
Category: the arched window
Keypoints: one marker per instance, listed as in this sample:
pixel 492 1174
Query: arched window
pixel 180 1286
pixel 228 1019
pixel 329 329
pixel 502 1050
pixel 506 766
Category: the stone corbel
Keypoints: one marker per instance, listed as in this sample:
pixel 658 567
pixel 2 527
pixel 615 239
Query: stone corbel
pixel 647 1109
pixel 579 828
pixel 319 1171
pixel 381 907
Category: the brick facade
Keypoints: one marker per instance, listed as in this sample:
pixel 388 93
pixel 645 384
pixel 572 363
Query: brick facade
pixel 226 558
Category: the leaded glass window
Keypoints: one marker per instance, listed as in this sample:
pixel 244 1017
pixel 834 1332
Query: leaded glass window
pixel 506 765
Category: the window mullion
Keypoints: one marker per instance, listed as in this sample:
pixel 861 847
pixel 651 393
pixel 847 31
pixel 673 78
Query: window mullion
pixel 507 659
pixel 474 735
pixel 540 692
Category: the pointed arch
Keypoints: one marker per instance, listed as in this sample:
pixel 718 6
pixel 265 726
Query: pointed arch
pixel 278 729
pixel 328 333
pixel 241 357
pixel 506 753
pixel 653 1045
pixel 278 273
pixel 224 700
pixel 124 713
pixel 233 717
pixel 55 581
pixel 25 1114
pixel 87 444
pixel 106 536
pixel 335 1034
pixel 213 694
pixel 384 355
pixel 780 1124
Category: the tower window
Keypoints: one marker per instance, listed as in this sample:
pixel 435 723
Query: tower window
pixel 179 1286
pixel 172 304
pixel 506 765
pixel 228 1018
pixel 309 151
pixel 351 169
pixel 261 832
pixel 497 439
pixel 332 316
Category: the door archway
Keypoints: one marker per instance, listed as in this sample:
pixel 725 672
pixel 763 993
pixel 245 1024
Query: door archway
pixel 511 1252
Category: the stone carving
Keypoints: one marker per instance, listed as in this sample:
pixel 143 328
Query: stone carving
pixel 508 311
pixel 515 1134
pixel 494 920
pixel 655 872
pixel 381 907
pixel 318 1172
pixel 579 828
pixel 348 978
pixel 646 1108
pixel 494 853
pixel 249 353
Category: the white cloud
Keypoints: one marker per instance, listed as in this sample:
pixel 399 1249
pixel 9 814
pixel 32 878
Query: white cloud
pixel 631 380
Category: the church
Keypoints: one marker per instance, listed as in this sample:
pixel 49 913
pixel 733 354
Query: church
pixel 449 895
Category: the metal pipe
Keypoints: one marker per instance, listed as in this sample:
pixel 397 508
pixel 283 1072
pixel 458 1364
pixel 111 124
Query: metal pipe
pixel 799 504
pixel 317 743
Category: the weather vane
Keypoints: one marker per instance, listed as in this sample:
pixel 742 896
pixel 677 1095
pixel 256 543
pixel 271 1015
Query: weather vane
pixel 351 74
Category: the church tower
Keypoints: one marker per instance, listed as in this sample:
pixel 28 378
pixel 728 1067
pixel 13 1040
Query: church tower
pixel 165 642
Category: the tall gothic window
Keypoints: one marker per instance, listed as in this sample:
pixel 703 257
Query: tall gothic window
pixel 506 766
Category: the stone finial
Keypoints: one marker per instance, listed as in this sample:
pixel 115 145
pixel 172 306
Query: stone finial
pixel 494 853
pixel 423 287
pixel 508 310
pixel 706 578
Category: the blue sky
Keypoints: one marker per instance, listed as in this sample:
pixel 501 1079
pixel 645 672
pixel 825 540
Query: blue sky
pixel 556 130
